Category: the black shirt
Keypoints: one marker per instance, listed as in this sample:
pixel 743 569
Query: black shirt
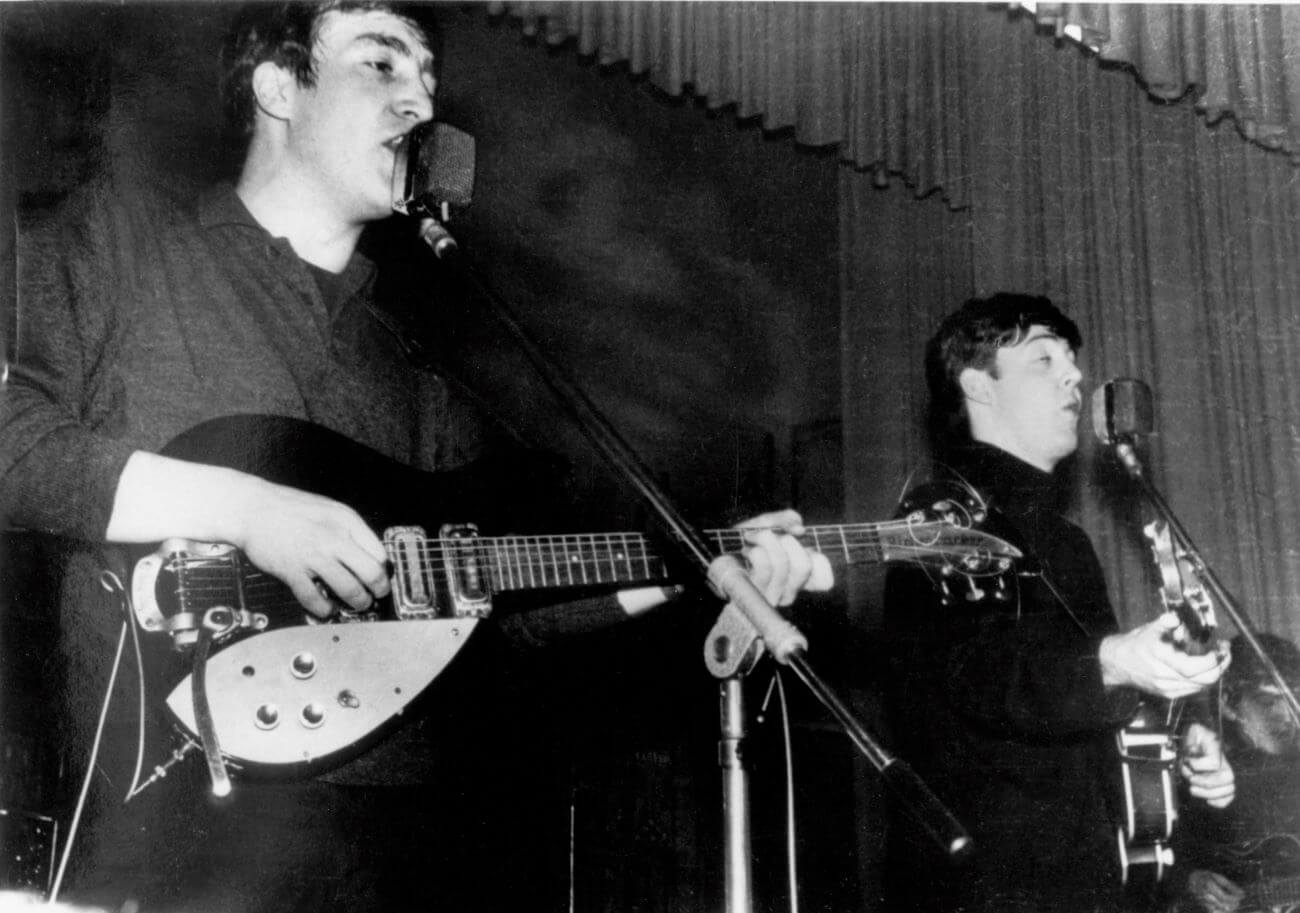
pixel 999 705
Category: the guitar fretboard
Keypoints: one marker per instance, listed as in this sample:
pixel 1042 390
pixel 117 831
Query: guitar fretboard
pixel 533 562
pixel 485 564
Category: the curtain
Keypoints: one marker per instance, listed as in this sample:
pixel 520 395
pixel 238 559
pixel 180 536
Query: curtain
pixel 885 81
pixel 1172 245
pixel 892 83
pixel 1233 59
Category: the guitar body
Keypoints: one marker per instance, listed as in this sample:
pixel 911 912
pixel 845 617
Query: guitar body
pixel 1147 761
pixel 289 694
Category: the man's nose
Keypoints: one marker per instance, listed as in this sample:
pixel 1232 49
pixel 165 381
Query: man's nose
pixel 414 102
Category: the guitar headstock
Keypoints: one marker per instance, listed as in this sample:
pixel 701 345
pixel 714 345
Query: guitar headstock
pixel 938 526
pixel 1181 590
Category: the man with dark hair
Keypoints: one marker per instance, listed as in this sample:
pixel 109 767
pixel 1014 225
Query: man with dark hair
pixel 1246 856
pixel 144 317
pixel 1007 699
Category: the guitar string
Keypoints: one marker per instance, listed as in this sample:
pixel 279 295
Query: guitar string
pixel 208 576
pixel 562 563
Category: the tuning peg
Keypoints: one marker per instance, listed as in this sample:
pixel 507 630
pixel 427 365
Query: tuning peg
pixel 1000 593
pixel 975 594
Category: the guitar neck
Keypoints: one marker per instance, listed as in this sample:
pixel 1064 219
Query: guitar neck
pixel 533 562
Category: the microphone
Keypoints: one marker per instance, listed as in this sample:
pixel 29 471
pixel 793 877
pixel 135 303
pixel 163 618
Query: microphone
pixel 1122 412
pixel 432 174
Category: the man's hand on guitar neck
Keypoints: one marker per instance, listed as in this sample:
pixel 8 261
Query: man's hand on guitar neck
pixel 305 540
pixel 1149 659
pixel 780 566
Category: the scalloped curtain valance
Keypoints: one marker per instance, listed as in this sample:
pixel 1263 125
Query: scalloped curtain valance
pixel 897 85
pixel 1233 60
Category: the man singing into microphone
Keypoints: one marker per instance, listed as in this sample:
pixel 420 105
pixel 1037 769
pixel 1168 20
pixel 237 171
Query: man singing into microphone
pixel 1008 703
pixel 141 318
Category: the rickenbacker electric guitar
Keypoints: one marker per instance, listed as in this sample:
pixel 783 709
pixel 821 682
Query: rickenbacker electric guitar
pixel 285 693
pixel 1148 747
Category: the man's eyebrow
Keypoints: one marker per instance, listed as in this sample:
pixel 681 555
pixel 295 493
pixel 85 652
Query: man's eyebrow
pixel 393 43
pixel 1037 334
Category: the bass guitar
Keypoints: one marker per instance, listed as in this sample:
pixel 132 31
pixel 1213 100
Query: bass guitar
pixel 284 692
pixel 1148 748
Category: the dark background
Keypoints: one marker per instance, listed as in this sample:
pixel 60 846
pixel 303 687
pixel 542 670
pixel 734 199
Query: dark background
pixel 680 264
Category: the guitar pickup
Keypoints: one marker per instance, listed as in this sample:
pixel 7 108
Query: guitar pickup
pixel 468 581
pixel 418 564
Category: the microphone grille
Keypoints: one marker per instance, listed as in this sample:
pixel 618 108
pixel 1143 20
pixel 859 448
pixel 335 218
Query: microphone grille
pixel 447 157
pixel 1121 408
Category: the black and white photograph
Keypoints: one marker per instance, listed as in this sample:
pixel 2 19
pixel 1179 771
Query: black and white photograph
pixel 671 456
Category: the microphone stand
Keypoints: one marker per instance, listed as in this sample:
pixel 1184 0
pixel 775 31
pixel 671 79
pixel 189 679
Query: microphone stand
pixel 746 625
pixel 1126 451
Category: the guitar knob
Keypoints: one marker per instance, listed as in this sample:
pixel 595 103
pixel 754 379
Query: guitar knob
pixel 975 594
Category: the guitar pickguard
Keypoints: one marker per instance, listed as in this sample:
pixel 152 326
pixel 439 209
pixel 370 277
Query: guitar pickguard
pixel 299 696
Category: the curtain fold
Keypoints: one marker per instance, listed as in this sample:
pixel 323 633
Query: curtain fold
pixel 1235 60
pixel 895 85
pixel 885 81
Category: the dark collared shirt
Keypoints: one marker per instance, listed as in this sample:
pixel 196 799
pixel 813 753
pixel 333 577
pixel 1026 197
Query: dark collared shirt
pixel 138 321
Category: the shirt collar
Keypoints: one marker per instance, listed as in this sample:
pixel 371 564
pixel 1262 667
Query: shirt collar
pixel 221 206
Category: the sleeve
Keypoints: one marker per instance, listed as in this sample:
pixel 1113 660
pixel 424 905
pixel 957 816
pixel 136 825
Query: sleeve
pixel 1024 667
pixel 58 474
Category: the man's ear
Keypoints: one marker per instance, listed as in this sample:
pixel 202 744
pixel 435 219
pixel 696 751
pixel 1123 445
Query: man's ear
pixel 273 87
pixel 976 385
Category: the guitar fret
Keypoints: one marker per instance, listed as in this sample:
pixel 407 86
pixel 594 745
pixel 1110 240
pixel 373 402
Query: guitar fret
pixel 512 562
pixel 555 564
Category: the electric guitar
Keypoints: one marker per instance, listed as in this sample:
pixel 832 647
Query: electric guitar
pixel 283 692
pixel 1148 749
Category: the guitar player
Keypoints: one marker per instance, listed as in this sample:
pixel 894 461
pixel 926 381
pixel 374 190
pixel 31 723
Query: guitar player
pixel 1246 857
pixel 143 316
pixel 1007 703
